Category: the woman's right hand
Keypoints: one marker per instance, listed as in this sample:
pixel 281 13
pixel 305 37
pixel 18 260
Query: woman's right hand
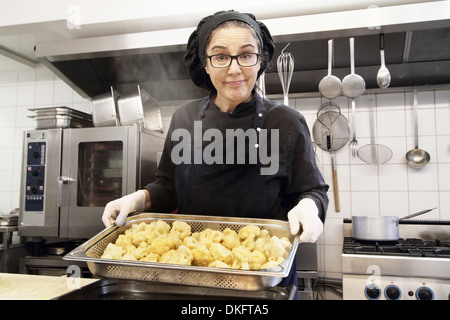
pixel 117 211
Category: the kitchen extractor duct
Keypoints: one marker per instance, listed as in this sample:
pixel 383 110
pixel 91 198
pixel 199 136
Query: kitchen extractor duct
pixel 417 46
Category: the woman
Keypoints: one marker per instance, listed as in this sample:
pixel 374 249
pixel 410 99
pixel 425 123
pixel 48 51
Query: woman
pixel 225 55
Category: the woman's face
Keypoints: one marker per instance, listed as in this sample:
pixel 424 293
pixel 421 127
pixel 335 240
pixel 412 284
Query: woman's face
pixel 234 84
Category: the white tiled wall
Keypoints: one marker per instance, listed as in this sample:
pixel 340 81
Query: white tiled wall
pixel 389 189
pixel 20 91
pixel 393 188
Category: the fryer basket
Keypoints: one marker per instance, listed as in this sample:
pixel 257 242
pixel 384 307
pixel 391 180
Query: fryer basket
pixel 249 280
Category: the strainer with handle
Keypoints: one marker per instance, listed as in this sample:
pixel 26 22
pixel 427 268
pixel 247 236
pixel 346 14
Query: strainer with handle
pixel 331 131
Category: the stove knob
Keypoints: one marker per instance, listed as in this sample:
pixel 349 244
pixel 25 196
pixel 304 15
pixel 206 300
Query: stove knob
pixel 424 293
pixel 392 292
pixel 372 292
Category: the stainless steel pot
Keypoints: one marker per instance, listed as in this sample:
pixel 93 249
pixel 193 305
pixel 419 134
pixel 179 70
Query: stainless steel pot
pixel 384 228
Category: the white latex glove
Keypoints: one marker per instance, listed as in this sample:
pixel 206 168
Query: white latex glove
pixel 118 210
pixel 305 215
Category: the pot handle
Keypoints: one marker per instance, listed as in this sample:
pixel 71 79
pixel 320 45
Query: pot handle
pixel 417 213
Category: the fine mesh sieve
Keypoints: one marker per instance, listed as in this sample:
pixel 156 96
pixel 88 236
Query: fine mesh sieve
pixel 331 132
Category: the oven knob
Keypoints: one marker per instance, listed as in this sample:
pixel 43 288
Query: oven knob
pixel 424 293
pixel 392 292
pixel 372 292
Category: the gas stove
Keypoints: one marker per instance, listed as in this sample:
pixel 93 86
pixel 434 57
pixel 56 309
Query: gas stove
pixel 417 266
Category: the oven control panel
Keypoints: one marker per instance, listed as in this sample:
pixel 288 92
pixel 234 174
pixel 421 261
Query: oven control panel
pixel 35 176
pixel 363 287
pixel 34 182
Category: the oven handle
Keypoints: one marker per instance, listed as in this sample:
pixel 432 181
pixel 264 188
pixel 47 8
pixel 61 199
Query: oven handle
pixel 62 180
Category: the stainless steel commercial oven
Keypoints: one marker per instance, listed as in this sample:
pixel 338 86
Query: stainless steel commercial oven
pixel 69 175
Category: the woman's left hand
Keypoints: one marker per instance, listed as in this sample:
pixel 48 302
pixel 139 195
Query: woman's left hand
pixel 304 216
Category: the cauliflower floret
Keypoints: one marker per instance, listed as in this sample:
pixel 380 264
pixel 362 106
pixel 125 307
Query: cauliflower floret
pixel 138 227
pixel 257 260
pixel 151 257
pixel 138 237
pixel 286 243
pixel 128 257
pixel 137 253
pixel 219 252
pixel 264 234
pixel 182 229
pixel 249 243
pixel 112 251
pixel 241 258
pixel 124 241
pixel 275 249
pixel 218 264
pixel 161 227
pixel 161 245
pixel 191 242
pixel 230 239
pixel 182 256
pixel 269 264
pixel 208 236
pixel 246 231
pixel 260 244
pixel 202 256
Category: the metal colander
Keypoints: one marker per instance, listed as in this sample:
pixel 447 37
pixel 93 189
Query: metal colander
pixel 250 280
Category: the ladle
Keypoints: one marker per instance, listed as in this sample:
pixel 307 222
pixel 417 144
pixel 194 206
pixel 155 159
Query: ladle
pixel 330 86
pixel 417 158
pixel 383 75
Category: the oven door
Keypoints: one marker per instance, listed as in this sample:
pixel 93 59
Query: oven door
pixel 98 165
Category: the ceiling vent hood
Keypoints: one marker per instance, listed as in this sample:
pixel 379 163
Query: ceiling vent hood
pixel 417 50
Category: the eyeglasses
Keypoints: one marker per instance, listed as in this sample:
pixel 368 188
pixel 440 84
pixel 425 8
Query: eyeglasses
pixel 224 60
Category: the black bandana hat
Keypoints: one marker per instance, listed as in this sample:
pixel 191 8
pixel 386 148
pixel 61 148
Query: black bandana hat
pixel 195 51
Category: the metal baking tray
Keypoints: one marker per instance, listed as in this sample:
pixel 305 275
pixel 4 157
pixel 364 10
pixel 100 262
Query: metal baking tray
pixel 248 280
pixel 59 121
pixel 115 289
pixel 61 111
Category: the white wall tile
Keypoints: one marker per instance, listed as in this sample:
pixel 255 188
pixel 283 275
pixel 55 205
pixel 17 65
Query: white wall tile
pixel 365 203
pixel 7 117
pixel 442 121
pixel 444 176
pixel 26 94
pixel 423 179
pixel 442 99
pixel 63 95
pixel 443 148
pixel 364 178
pixel 425 100
pixel 394 203
pixel 5 201
pixel 390 101
pixel 393 177
pixel 8 94
pixel 444 205
pixel 425 122
pixel 44 94
pixel 391 123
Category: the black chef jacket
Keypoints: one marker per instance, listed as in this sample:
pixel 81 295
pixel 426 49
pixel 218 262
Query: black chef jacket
pixel 298 176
